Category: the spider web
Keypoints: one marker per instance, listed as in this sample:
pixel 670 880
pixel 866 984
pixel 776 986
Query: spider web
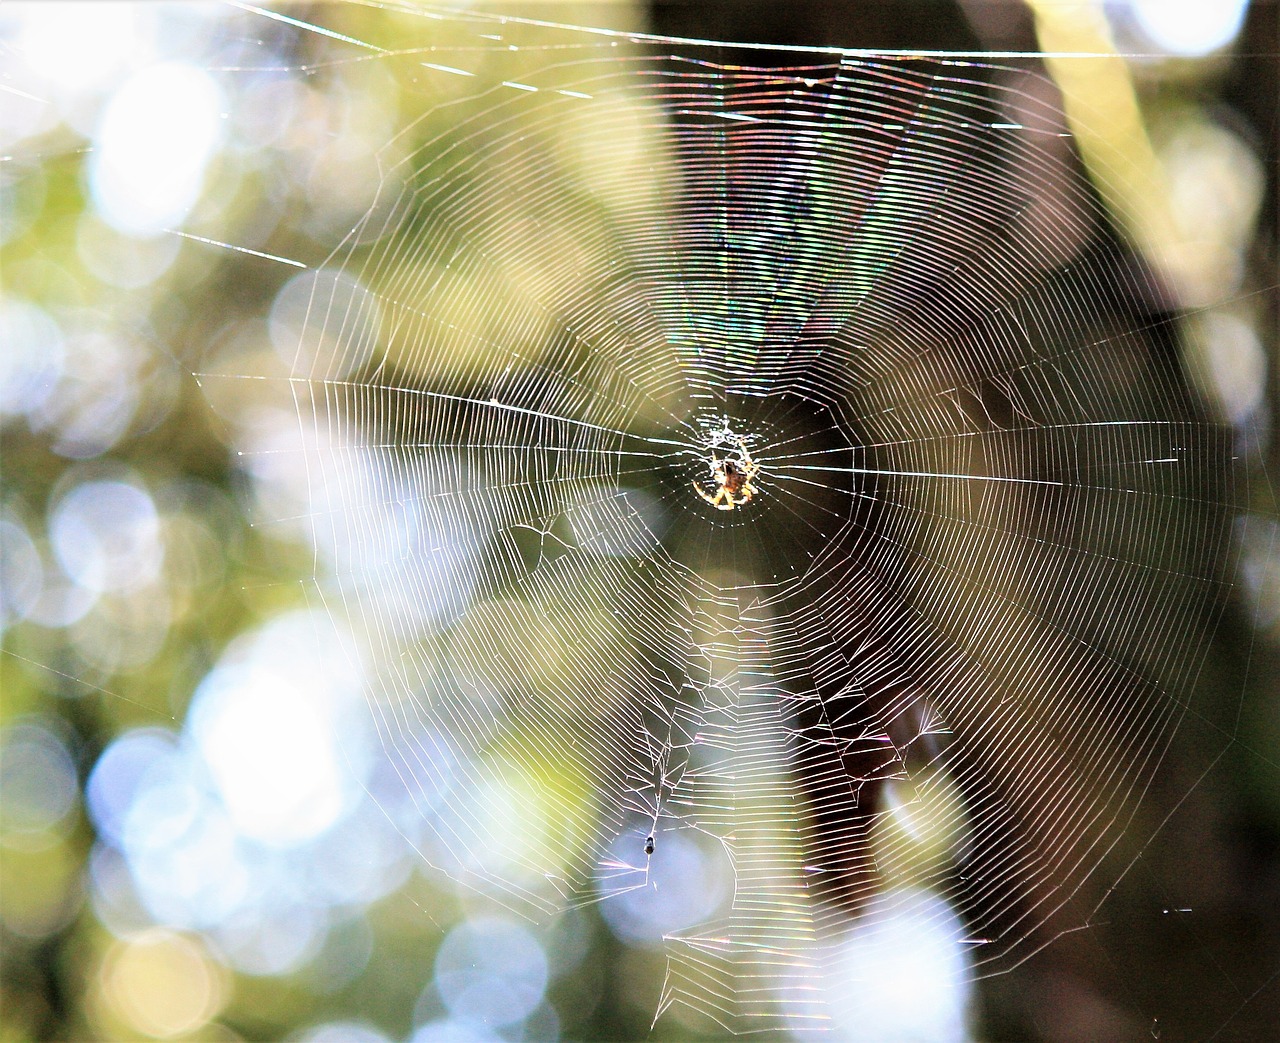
pixel 943 648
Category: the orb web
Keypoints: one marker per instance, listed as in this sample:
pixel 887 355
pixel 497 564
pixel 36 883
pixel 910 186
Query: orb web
pixel 941 647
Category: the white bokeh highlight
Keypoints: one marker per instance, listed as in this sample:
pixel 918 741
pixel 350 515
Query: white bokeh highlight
pixel 106 535
pixel 1190 28
pixel 157 134
pixel 901 975
pixel 266 721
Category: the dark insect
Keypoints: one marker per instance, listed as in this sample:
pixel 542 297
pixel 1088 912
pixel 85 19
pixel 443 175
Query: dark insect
pixel 648 845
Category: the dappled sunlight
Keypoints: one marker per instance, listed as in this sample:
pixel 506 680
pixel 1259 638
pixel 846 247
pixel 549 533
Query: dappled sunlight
pixel 513 531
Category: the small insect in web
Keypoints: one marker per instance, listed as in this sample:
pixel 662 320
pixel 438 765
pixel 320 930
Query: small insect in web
pixel 732 475
pixel 648 845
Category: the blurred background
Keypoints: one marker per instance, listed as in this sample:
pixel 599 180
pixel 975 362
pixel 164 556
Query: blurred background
pixel 171 868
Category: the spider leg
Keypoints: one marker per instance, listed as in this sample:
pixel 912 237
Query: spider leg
pixel 713 500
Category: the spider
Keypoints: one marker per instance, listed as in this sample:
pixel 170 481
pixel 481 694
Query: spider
pixel 733 480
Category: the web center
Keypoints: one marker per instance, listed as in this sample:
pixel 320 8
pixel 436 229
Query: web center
pixel 728 481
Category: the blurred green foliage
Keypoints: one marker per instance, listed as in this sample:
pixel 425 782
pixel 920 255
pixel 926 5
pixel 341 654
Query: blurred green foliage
pixel 290 176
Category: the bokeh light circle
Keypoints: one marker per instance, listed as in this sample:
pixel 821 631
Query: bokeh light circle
pixel 491 972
